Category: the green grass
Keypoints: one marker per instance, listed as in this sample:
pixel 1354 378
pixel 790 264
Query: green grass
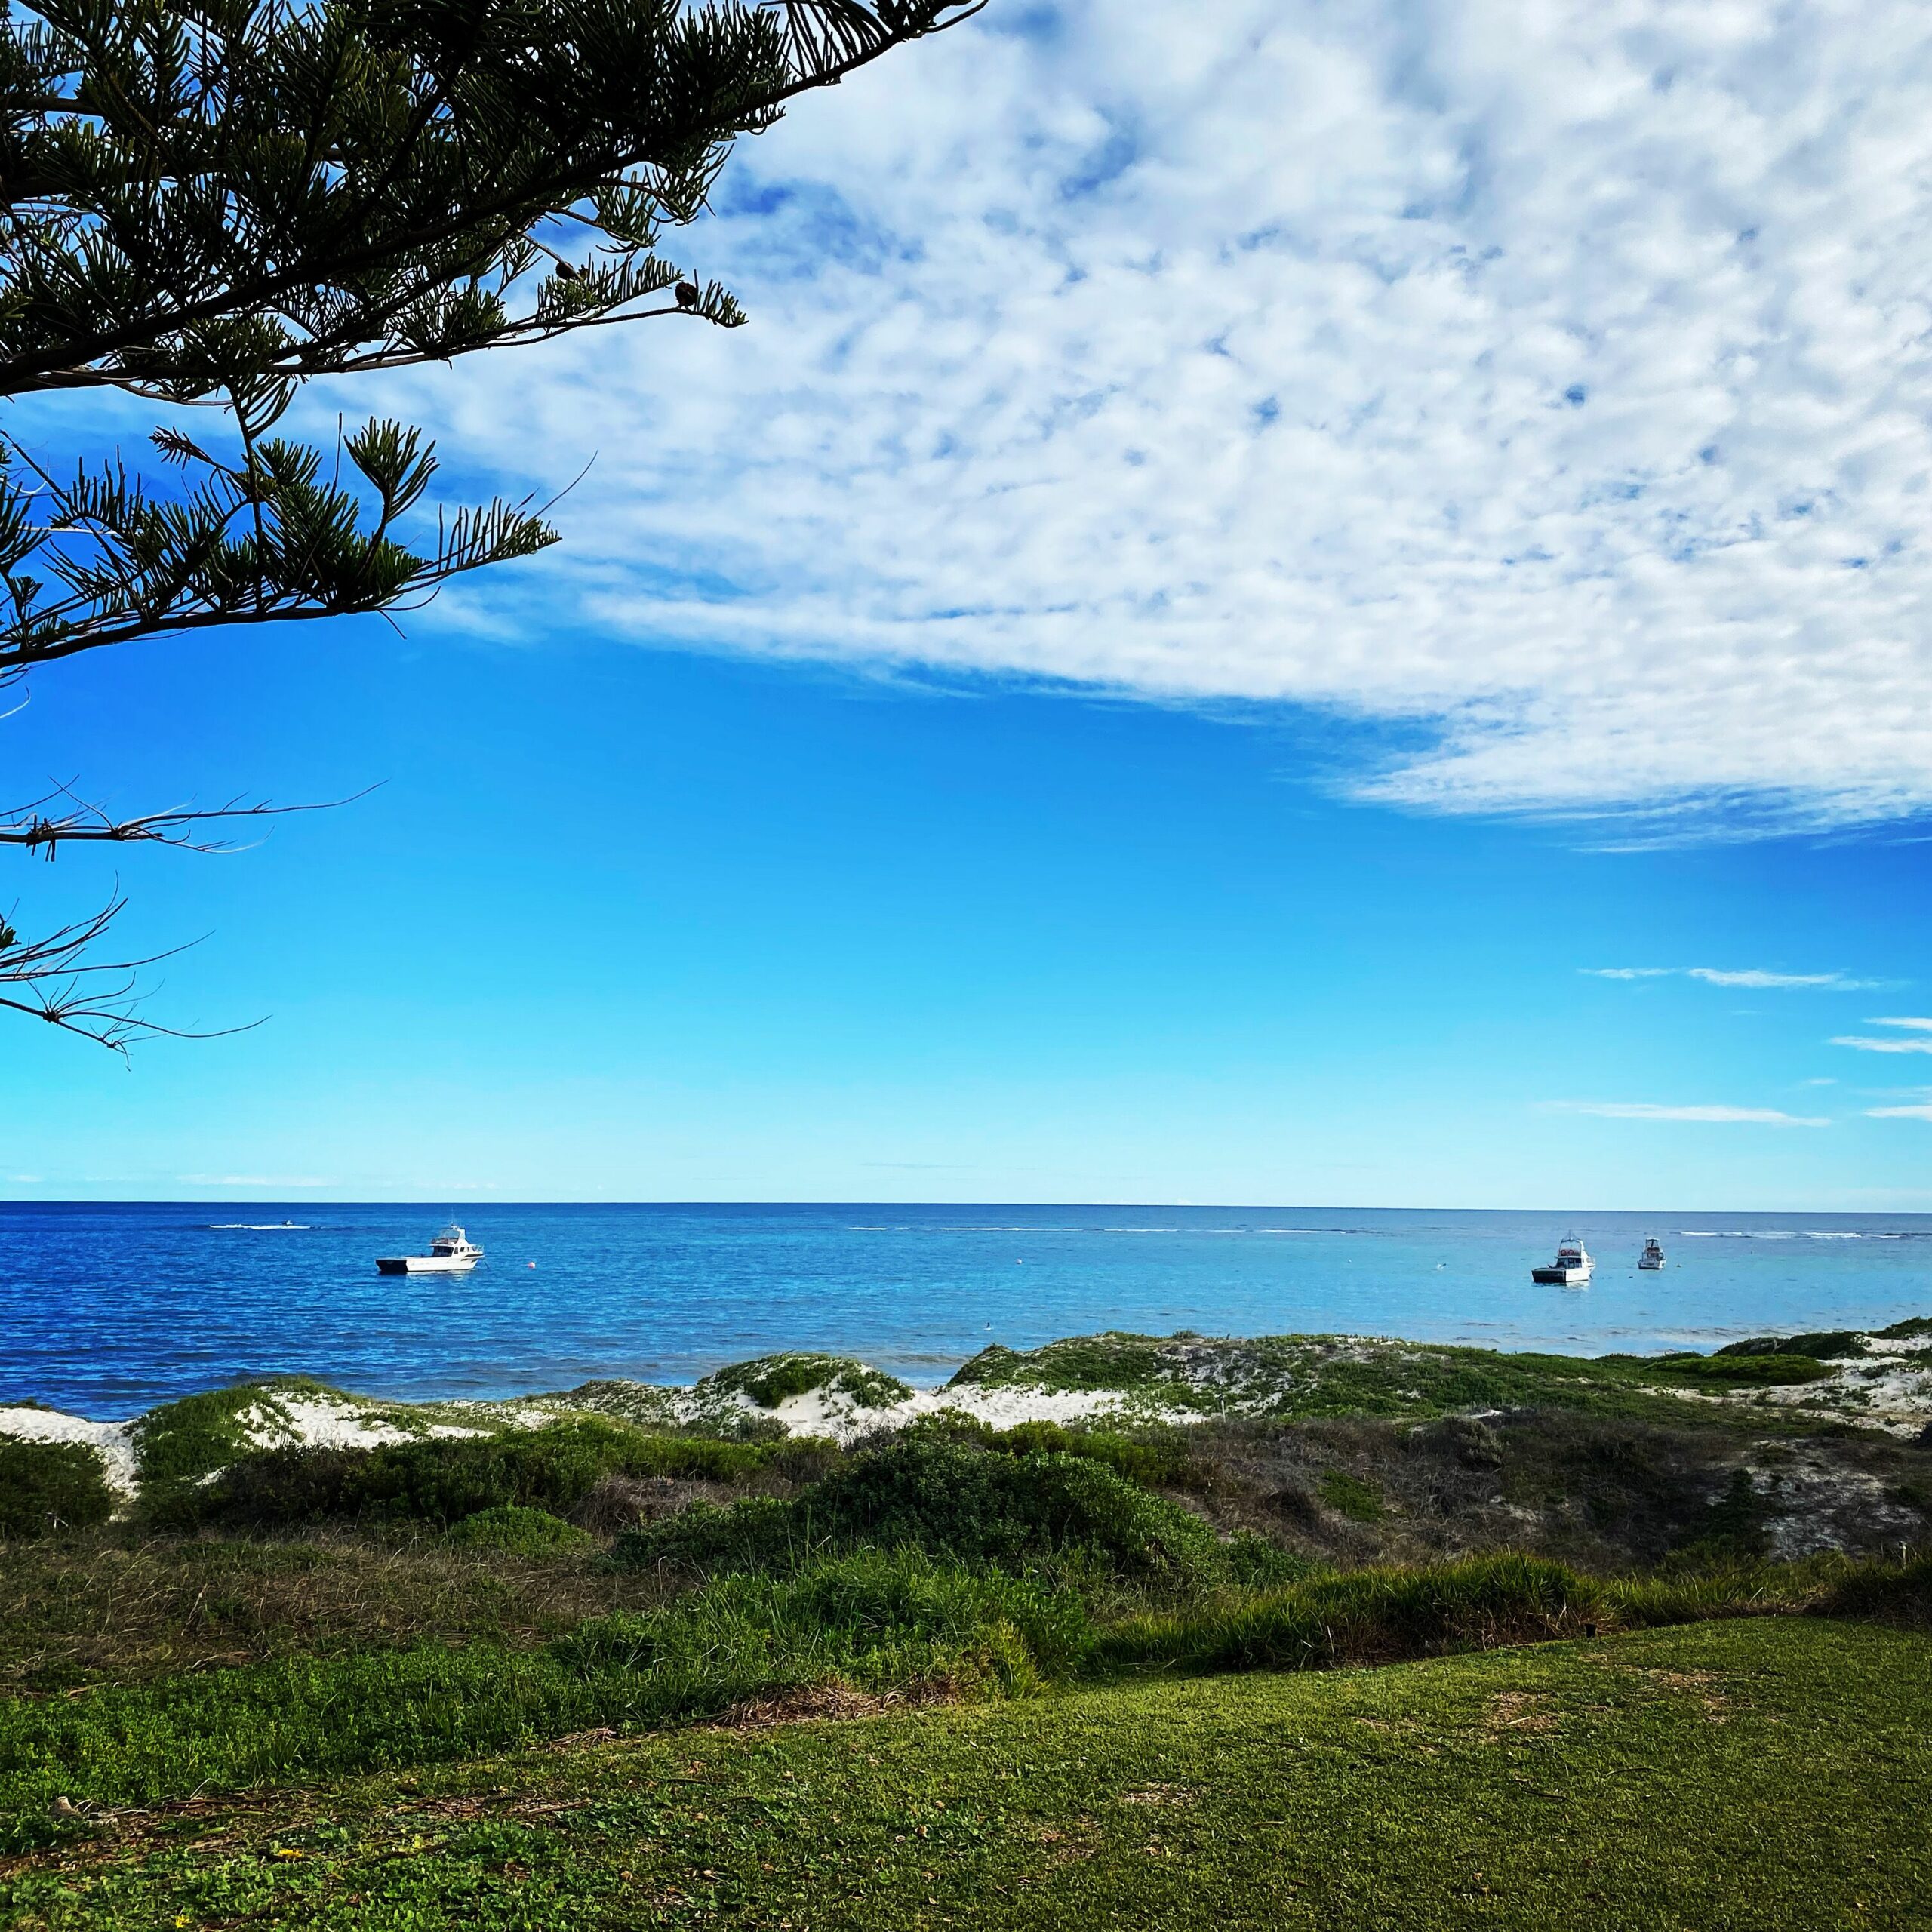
pixel 1764 1775
pixel 879 1623
pixel 119 1606
pixel 871 1624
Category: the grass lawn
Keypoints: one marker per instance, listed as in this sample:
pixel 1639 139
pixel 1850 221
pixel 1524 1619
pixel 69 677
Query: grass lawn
pixel 1767 1772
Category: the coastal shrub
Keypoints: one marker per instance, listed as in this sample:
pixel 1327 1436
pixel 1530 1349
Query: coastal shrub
pixel 1350 1496
pixel 1743 1370
pixel 1154 1461
pixel 49 1486
pixel 1825 1345
pixel 950 1500
pixel 1907 1331
pixel 1114 1362
pixel 516 1531
pixel 1364 1617
pixel 1882 1592
pixel 771 1379
pixel 179 1445
pixel 443 1479
pixel 1736 1522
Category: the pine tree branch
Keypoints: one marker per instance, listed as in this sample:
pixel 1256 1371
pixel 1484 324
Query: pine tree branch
pixel 79 821
pixel 53 979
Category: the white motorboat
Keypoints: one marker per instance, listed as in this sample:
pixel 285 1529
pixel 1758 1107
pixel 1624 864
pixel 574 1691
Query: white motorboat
pixel 1570 1269
pixel 1652 1257
pixel 451 1252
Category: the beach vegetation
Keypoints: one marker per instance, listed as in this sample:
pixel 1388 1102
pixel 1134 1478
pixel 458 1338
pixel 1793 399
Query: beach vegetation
pixel 181 1445
pixel 771 1380
pixel 946 1498
pixel 1822 1345
pixel 1761 1772
pixel 1755 1369
pixel 1349 1496
pixel 1157 1457
pixel 49 1487
pixel 871 1629
pixel 1910 1330
pixel 441 1480
pixel 1313 1376
pixel 518 1531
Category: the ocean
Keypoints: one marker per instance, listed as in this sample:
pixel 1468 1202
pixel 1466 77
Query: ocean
pixel 107 1309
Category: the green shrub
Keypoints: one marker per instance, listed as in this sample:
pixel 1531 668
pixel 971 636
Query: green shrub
pixel 444 1479
pixel 1825 1345
pixel 49 1486
pixel 1365 1616
pixel 1255 1564
pixel 1746 1371
pixel 1883 1592
pixel 180 1445
pixel 516 1532
pixel 1155 1464
pixel 949 1500
pixel 1350 1496
pixel 772 1379
pixel 1736 1522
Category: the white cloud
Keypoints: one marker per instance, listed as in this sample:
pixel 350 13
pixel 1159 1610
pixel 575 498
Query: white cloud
pixel 1872 1044
pixel 252 1180
pixel 1922 1112
pixel 1753 975
pixel 1916 1025
pixel 1546 387
pixel 1648 1110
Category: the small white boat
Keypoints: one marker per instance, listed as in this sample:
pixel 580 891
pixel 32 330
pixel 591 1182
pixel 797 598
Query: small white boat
pixel 451 1252
pixel 1652 1257
pixel 1570 1269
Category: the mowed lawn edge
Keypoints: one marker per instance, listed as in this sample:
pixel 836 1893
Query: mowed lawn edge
pixel 1759 1773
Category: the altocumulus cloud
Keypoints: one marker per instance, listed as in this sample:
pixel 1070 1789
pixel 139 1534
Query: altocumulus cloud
pixel 1548 383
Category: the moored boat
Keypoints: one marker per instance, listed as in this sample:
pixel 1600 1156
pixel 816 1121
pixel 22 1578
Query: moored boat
pixel 1652 1257
pixel 1570 1269
pixel 451 1252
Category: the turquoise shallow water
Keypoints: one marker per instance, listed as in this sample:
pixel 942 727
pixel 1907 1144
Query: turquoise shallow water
pixel 107 1309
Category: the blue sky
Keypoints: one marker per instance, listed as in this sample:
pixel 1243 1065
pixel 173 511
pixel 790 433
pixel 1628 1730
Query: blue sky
pixel 1165 665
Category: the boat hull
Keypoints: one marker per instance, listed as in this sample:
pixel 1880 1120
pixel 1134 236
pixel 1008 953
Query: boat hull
pixel 1651 1267
pixel 426 1264
pixel 1562 1277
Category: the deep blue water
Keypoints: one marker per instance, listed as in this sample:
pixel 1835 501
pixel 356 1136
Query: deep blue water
pixel 107 1309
